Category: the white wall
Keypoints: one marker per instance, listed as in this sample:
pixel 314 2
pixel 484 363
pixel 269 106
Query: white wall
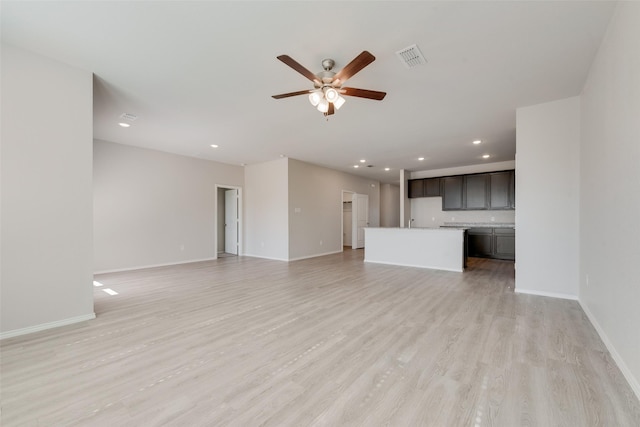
pixel 427 211
pixel 266 210
pixel 610 192
pixel 47 128
pixel 154 208
pixel 317 193
pixel 547 194
pixel 461 170
pixel 389 206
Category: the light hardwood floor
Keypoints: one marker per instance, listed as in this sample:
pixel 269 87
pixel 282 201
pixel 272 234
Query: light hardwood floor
pixel 329 341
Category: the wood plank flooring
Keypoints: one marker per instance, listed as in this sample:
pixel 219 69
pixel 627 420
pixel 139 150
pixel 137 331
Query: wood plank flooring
pixel 329 341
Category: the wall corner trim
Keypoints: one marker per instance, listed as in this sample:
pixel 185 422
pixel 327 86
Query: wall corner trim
pixel 45 326
pixel 626 372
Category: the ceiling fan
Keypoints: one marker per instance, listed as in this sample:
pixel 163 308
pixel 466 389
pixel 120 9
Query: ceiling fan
pixel 327 93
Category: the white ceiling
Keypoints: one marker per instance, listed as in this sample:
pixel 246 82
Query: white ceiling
pixel 201 73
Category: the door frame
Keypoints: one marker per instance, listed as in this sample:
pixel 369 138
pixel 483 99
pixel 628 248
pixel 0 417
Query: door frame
pixel 355 218
pixel 346 196
pixel 217 219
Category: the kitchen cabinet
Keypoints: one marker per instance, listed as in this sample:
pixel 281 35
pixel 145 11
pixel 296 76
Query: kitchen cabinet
pixel 500 185
pixel 471 192
pixel 496 243
pixel 416 188
pixel 480 242
pixel 476 192
pixel 504 243
pixel 512 190
pixel 424 187
pixel 432 187
pixel 452 193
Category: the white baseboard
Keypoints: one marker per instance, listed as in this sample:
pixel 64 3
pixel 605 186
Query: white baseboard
pixel 315 255
pixel 141 267
pixel 414 266
pixel 294 259
pixel 266 257
pixel 45 326
pixel 546 294
pixel 628 375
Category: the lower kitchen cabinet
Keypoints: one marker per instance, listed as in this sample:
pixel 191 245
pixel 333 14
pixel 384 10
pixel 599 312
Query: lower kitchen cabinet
pixel 480 242
pixel 496 243
pixel 504 243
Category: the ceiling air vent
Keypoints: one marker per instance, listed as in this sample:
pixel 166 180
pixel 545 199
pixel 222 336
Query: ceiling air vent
pixel 128 116
pixel 411 56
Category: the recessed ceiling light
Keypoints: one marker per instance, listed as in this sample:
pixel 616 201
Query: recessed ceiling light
pixel 356 166
pixel 124 125
pixel 421 158
pixel 485 156
pixel 362 160
pixel 477 141
pixel 214 146
pixel 387 169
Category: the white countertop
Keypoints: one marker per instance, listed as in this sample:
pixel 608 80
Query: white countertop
pixel 481 224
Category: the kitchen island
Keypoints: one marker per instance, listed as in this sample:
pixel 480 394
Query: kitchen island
pixel 435 248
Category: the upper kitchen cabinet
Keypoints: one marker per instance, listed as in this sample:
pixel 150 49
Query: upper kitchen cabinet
pixel 416 188
pixel 500 183
pixel 472 192
pixel 512 190
pixel 476 192
pixel 502 186
pixel 424 187
pixel 452 193
pixel 432 187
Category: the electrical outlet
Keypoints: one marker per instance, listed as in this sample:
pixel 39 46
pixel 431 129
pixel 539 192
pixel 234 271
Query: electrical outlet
pixel 181 248
pixel 493 218
pixel 320 242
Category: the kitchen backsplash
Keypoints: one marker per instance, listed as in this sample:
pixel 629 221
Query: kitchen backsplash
pixel 427 212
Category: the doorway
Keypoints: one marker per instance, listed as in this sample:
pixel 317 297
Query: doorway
pixel 228 239
pixel 355 218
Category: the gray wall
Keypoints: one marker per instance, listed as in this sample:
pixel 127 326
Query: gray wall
pixel 266 210
pixel 46 193
pixel 317 193
pixel 610 192
pixel 389 205
pixel 154 208
pixel 291 206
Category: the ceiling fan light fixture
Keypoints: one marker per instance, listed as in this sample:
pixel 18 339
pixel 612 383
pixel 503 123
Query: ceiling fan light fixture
pixel 339 102
pixel 331 94
pixel 314 98
pixel 323 106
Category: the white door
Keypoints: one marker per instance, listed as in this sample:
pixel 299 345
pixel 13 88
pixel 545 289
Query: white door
pixel 360 219
pixel 231 222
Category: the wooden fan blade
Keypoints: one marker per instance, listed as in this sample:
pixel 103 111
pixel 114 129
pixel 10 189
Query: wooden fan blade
pixel 287 95
pixel 299 68
pixel 358 63
pixel 331 109
pixel 363 93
